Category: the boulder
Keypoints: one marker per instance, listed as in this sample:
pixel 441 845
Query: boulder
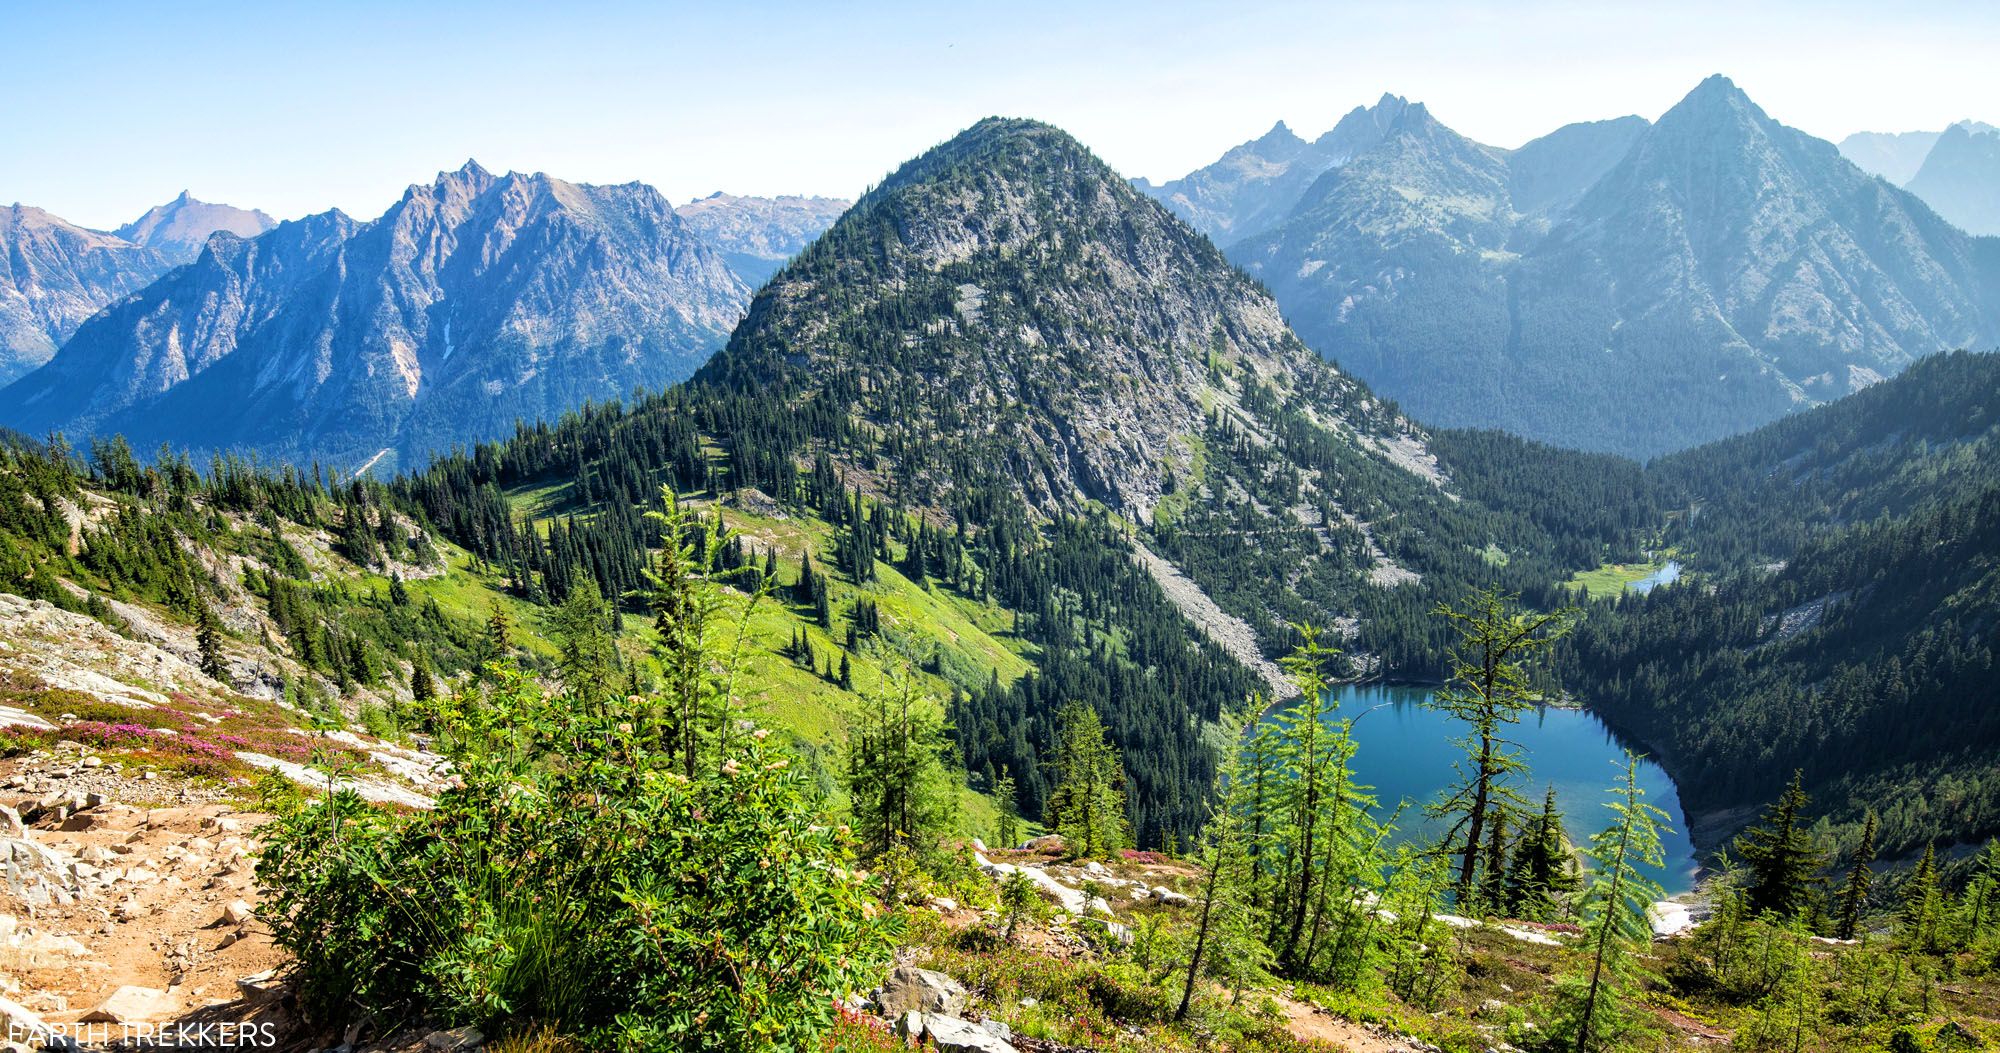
pixel 260 987
pixel 132 1005
pixel 36 874
pixel 952 1035
pixel 456 1040
pixel 1047 843
pixel 237 912
pixel 21 1025
pixel 909 987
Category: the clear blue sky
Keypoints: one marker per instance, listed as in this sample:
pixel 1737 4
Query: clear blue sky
pixel 296 107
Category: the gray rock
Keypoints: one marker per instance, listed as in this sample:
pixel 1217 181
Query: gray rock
pixel 952 1035
pixel 455 1040
pixel 909 987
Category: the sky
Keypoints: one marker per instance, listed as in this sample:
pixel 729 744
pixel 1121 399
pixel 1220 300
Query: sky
pixel 297 108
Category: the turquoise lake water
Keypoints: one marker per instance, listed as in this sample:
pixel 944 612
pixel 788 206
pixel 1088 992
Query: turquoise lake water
pixel 1405 750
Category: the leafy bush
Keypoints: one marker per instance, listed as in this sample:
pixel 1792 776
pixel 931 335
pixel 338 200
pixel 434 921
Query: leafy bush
pixel 576 880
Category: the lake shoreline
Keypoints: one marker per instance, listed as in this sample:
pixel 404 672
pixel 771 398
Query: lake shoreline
pixel 1408 751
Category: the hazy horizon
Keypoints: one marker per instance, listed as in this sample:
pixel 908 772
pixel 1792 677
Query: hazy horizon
pixel 298 111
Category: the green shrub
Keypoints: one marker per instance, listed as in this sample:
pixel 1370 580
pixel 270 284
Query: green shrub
pixel 577 881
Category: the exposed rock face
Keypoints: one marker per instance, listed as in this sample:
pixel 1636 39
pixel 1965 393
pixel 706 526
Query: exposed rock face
pixel 476 301
pixel 1254 186
pixel 756 235
pixel 1006 308
pixel 1895 156
pixel 54 275
pixel 179 228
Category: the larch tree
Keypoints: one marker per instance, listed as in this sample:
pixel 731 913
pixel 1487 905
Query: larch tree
pixel 1591 1003
pixel 1087 805
pixel 1488 688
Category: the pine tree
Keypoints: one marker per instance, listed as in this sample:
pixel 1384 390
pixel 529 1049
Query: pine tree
pixel 1982 893
pixel 497 641
pixel 1783 861
pixel 423 688
pixel 585 655
pixel 1854 895
pixel 1591 1003
pixel 1539 880
pixel 1004 800
pixel 898 776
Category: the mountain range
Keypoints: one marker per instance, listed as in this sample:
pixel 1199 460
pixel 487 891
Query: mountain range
pixel 55 274
pixel 1622 285
pixel 475 301
pixel 756 235
pixel 1956 171
pixel 1061 399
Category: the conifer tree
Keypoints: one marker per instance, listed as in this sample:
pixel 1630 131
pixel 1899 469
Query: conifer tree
pixel 1009 827
pixel 1982 893
pixel 497 641
pixel 423 687
pixel 1087 805
pixel 208 640
pixel 1860 878
pixel 585 655
pixel 1922 912
pixel 899 781
pixel 1591 1013
pixel 1489 688
pixel 1539 880
pixel 1782 859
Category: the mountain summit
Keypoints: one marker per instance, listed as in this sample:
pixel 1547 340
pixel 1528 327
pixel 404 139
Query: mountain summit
pixel 53 275
pixel 476 300
pixel 1617 285
pixel 1006 310
pixel 179 228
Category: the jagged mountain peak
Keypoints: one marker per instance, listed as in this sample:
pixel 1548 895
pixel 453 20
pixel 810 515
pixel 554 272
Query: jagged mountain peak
pixel 1714 102
pixel 473 302
pixel 181 227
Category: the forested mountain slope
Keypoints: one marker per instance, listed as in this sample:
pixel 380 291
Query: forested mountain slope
pixel 1847 620
pixel 999 373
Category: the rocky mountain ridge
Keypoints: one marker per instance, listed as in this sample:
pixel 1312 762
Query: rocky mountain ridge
pixel 1717 267
pixel 475 301
pixel 756 235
